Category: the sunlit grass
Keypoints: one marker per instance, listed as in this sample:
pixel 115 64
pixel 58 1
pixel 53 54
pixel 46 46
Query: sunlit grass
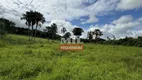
pixel 44 61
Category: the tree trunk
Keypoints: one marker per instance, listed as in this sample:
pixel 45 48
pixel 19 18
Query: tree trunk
pixel 77 38
pixel 52 37
pixel 29 32
pixel 35 33
pixel 96 37
pixel 32 33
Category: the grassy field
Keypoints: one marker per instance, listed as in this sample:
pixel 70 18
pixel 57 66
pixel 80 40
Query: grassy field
pixel 21 60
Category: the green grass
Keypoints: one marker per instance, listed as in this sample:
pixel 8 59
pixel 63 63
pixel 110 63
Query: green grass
pixel 43 60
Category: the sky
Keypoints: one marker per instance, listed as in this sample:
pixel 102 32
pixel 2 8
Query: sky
pixel 118 18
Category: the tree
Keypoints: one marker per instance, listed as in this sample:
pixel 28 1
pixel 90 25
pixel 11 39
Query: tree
pixel 53 30
pixel 33 18
pixel 63 30
pixel 67 35
pixel 77 32
pixel 48 31
pixel 39 19
pixel 97 33
pixel 90 35
pixel 28 16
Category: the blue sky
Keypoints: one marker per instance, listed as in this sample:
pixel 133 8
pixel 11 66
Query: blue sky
pixel 114 17
pixel 107 19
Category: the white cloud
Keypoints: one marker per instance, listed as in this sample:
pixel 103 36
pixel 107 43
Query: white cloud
pixel 59 9
pixel 138 33
pixel 140 19
pixel 102 6
pixel 92 28
pixel 15 19
pixel 129 4
pixel 65 10
pixel 68 9
pixel 92 19
pixel 124 26
pixel 63 23
pixel 123 19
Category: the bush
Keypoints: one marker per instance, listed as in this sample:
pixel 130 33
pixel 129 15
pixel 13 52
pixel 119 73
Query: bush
pixel 2 44
pixel 139 44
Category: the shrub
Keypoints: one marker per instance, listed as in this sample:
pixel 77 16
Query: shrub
pixel 2 44
pixel 139 44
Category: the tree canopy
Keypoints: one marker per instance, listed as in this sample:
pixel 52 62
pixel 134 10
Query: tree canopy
pixel 77 31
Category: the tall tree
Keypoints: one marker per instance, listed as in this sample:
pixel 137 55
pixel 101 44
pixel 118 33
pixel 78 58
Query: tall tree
pixel 63 30
pixel 39 19
pixel 29 17
pixel 77 32
pixel 90 35
pixel 97 33
pixel 33 18
pixel 53 30
pixel 48 31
